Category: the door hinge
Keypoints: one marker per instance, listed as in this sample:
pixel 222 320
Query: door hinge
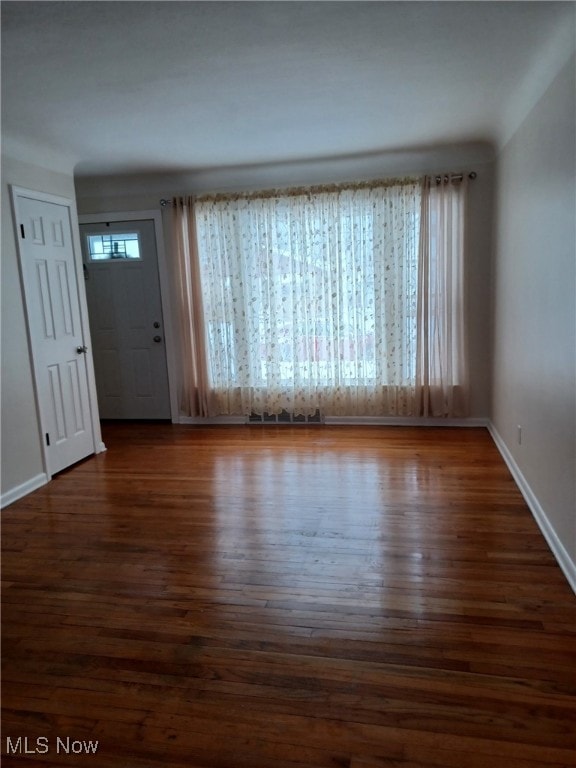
pixel 22 231
pixel 47 439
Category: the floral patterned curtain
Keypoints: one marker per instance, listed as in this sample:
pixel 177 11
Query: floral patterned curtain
pixel 310 300
pixel 347 300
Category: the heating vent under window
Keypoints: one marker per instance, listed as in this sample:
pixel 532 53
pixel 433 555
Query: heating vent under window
pixel 285 417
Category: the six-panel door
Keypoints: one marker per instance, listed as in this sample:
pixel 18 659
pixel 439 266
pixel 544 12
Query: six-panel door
pixel 52 301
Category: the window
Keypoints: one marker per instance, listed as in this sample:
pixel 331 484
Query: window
pixel 347 300
pixel 112 247
pixel 311 300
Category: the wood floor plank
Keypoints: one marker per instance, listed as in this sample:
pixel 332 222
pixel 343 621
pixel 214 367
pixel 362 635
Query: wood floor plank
pixel 286 597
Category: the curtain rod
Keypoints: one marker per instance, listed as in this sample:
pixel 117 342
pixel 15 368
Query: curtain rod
pixel 313 189
pixel 454 176
pixel 295 191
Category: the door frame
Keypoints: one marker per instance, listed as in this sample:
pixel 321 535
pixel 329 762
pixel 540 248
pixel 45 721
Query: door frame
pixel 17 192
pixel 164 283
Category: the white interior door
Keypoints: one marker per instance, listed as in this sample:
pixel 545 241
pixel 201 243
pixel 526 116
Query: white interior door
pixel 126 323
pixel 54 321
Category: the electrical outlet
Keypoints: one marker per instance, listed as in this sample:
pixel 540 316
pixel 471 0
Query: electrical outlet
pixel 519 435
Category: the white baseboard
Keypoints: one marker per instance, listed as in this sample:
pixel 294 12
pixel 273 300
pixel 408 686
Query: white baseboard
pixel 405 421
pixel 22 490
pixel 400 421
pixel 558 550
pixel 201 421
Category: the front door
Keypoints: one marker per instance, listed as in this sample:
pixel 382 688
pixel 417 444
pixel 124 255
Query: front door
pixel 54 321
pixel 126 323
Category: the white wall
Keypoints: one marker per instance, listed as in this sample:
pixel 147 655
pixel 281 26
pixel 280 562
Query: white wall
pixel 22 467
pixel 534 311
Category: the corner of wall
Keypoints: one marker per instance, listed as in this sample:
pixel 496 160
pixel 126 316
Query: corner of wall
pixel 563 559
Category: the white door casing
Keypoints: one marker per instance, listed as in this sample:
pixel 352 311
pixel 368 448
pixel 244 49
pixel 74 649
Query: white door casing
pixel 127 323
pixel 58 335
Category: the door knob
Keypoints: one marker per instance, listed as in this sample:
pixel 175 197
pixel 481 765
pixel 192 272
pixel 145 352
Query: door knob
pixel 157 339
pixel 82 350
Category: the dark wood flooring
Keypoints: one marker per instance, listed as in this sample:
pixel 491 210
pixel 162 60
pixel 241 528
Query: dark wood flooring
pixel 285 597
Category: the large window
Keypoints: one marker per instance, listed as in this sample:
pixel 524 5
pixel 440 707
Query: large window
pixel 347 300
pixel 310 300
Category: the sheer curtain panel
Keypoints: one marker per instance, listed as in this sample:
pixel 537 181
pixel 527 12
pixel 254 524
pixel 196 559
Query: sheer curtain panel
pixel 348 300
pixel 442 370
pixel 194 390
pixel 310 300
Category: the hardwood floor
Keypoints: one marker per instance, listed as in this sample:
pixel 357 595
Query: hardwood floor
pixel 285 597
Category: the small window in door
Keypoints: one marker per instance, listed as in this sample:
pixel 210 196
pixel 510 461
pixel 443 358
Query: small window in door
pixel 112 247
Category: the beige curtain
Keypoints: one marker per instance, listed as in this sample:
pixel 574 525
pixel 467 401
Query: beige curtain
pixel 349 301
pixel 310 300
pixel 441 365
pixel 194 395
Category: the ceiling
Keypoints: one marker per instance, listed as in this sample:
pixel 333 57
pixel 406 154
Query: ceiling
pixel 126 87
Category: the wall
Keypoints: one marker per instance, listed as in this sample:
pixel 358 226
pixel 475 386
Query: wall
pixel 141 192
pixel 22 467
pixel 534 312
